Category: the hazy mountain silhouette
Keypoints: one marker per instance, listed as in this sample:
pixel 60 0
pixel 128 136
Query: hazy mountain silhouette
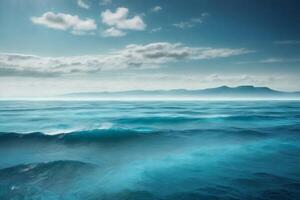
pixel 245 91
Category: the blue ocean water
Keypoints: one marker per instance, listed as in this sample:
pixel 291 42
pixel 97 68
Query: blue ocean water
pixel 96 150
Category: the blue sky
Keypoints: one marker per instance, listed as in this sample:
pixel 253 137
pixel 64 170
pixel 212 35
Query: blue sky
pixel 50 47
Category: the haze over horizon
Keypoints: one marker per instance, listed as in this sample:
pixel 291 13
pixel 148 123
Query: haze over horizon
pixel 53 47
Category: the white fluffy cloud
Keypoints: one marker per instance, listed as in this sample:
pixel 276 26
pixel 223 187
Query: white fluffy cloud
pixel 83 4
pixel 64 21
pixel 119 20
pixel 132 56
pixel 156 9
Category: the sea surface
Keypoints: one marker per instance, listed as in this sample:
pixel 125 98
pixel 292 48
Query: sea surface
pixel 164 150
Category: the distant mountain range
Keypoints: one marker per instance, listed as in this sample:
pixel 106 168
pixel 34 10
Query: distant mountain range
pixel 246 91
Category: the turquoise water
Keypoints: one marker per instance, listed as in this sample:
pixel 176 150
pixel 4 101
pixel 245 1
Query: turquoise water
pixel 149 150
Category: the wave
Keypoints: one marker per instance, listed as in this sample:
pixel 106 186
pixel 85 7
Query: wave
pixel 106 134
pixel 42 179
pixel 110 129
pixel 70 179
pixel 50 168
pixel 194 120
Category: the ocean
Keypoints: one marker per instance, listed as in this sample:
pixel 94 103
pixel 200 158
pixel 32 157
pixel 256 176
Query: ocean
pixel 144 150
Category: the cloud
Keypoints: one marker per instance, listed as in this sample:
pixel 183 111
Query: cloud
pixel 191 22
pixel 156 9
pixel 62 21
pixel 113 32
pixel 154 30
pixel 132 56
pixel 271 60
pixel 105 2
pixel 279 60
pixel 83 4
pixel 78 32
pixel 119 20
pixel 239 79
pixel 188 24
pixel 205 14
pixel 287 42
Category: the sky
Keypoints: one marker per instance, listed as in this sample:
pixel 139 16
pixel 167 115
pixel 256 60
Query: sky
pixel 52 47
